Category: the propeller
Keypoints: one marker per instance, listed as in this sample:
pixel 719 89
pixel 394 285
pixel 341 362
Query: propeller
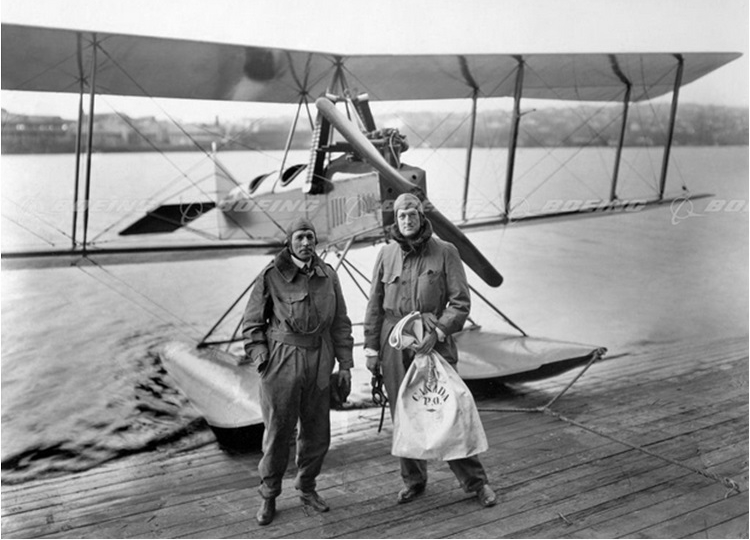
pixel 442 226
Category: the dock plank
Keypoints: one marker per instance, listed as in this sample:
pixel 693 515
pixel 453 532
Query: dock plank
pixel 692 521
pixel 525 505
pixel 731 528
pixel 687 402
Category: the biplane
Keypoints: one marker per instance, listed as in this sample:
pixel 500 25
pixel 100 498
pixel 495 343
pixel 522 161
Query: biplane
pixel 355 167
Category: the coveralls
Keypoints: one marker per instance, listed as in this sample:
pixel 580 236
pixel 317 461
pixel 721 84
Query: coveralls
pixel 298 321
pixel 426 276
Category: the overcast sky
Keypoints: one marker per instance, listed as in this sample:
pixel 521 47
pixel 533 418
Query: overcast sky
pixel 408 26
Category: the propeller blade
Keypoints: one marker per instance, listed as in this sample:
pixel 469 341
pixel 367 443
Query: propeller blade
pixel 443 227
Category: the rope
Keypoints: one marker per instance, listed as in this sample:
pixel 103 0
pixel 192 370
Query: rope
pixel 725 481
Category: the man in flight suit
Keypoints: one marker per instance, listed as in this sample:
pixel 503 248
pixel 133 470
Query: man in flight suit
pixel 419 272
pixel 295 324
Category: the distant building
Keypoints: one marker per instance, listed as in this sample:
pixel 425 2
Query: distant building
pixel 550 128
pixel 191 136
pixel 111 131
pixel 42 134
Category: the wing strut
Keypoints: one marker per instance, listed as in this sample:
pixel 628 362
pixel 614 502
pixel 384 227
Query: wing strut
pixel 204 342
pixel 89 145
pixel 672 118
pixel 623 127
pixel 513 142
pixel 290 138
pixel 470 150
pixel 79 128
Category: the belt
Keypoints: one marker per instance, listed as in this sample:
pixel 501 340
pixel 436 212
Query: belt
pixel 392 318
pixel 306 341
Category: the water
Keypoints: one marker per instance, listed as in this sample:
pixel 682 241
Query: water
pixel 81 379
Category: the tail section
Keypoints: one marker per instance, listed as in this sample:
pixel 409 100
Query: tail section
pixel 168 218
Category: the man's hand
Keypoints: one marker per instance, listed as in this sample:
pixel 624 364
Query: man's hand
pixel 345 384
pixel 257 354
pixel 428 343
pixel 429 321
pixel 373 363
pixel 246 361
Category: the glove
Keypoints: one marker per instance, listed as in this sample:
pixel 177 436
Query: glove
pixel 341 386
pixel 428 343
pixel 345 383
pixel 430 322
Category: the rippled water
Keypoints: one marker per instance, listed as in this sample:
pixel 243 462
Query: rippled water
pixel 82 383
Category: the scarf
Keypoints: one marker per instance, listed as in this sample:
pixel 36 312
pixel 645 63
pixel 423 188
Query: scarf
pixel 415 244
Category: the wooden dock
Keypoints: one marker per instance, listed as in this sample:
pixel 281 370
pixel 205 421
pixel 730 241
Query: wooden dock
pixel 685 402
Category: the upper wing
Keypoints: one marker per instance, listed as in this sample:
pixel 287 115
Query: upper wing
pixel 57 60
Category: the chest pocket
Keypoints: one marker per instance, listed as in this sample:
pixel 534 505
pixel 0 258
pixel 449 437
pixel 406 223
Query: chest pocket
pixel 431 291
pixel 299 312
pixel 391 295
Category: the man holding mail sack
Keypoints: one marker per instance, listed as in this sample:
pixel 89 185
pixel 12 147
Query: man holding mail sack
pixel 419 272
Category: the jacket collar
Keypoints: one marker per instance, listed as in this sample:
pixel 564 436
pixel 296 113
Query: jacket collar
pixel 286 267
pixel 412 245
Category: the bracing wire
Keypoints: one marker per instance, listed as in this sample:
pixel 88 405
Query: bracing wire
pixel 28 230
pixel 585 122
pixel 170 195
pixel 144 306
pixel 187 134
pixel 127 120
pixel 424 137
pixel 657 119
pixel 125 218
pixel 43 221
pixel 52 67
pixel 578 149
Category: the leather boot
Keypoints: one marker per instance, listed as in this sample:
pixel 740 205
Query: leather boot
pixel 408 494
pixel 486 496
pixel 313 500
pixel 266 511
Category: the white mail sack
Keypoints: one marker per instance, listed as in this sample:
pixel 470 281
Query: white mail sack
pixel 435 415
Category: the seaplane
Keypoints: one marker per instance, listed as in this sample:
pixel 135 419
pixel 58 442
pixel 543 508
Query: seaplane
pixel 354 172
